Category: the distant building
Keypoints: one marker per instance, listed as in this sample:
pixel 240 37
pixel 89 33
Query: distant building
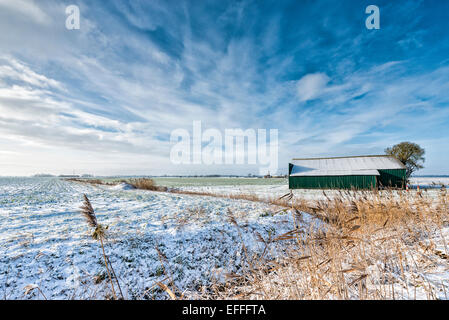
pixel 43 175
pixel 358 172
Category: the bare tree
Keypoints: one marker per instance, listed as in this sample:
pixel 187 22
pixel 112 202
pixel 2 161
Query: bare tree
pixel 410 154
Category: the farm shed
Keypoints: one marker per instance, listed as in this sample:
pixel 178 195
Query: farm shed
pixel 358 172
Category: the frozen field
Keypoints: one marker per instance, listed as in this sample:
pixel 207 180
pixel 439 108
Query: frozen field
pixel 46 243
pixel 430 181
pixel 278 187
pixel 219 181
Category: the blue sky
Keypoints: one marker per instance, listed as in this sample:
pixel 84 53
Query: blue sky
pixel 104 99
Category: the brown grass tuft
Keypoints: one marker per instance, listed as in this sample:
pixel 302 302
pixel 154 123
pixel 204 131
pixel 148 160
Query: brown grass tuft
pixel 143 183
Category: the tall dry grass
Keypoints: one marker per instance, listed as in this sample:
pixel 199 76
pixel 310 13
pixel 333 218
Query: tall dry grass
pixel 143 183
pixel 99 234
pixel 365 245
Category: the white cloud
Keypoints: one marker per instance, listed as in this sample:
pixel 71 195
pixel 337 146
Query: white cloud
pixel 109 103
pixel 311 86
pixel 14 70
pixel 27 8
pixel 31 112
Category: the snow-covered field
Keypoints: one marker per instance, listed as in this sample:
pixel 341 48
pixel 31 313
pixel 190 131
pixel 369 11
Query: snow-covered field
pixel 46 243
pixel 280 187
pixel 431 182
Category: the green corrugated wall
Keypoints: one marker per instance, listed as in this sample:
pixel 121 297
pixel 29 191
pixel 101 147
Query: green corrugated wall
pixel 392 178
pixel 388 178
pixel 332 182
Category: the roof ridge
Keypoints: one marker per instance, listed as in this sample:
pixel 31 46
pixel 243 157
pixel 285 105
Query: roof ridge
pixel 346 157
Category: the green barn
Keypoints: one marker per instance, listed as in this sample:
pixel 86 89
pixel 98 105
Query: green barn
pixel 358 172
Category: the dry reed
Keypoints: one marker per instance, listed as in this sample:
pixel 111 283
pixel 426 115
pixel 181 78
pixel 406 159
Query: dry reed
pixel 364 245
pixel 99 234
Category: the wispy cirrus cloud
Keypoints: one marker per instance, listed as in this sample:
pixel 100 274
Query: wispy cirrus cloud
pixel 27 8
pixel 137 70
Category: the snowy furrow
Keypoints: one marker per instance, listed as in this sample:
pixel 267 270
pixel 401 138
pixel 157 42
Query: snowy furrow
pixel 45 242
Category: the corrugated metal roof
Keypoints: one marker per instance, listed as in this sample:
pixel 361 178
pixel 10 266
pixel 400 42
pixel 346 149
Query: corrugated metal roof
pixel 359 165
pixel 296 171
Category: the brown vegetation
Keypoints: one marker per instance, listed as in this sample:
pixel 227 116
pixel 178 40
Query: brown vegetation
pixel 99 234
pixel 363 245
pixel 374 245
pixel 144 184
